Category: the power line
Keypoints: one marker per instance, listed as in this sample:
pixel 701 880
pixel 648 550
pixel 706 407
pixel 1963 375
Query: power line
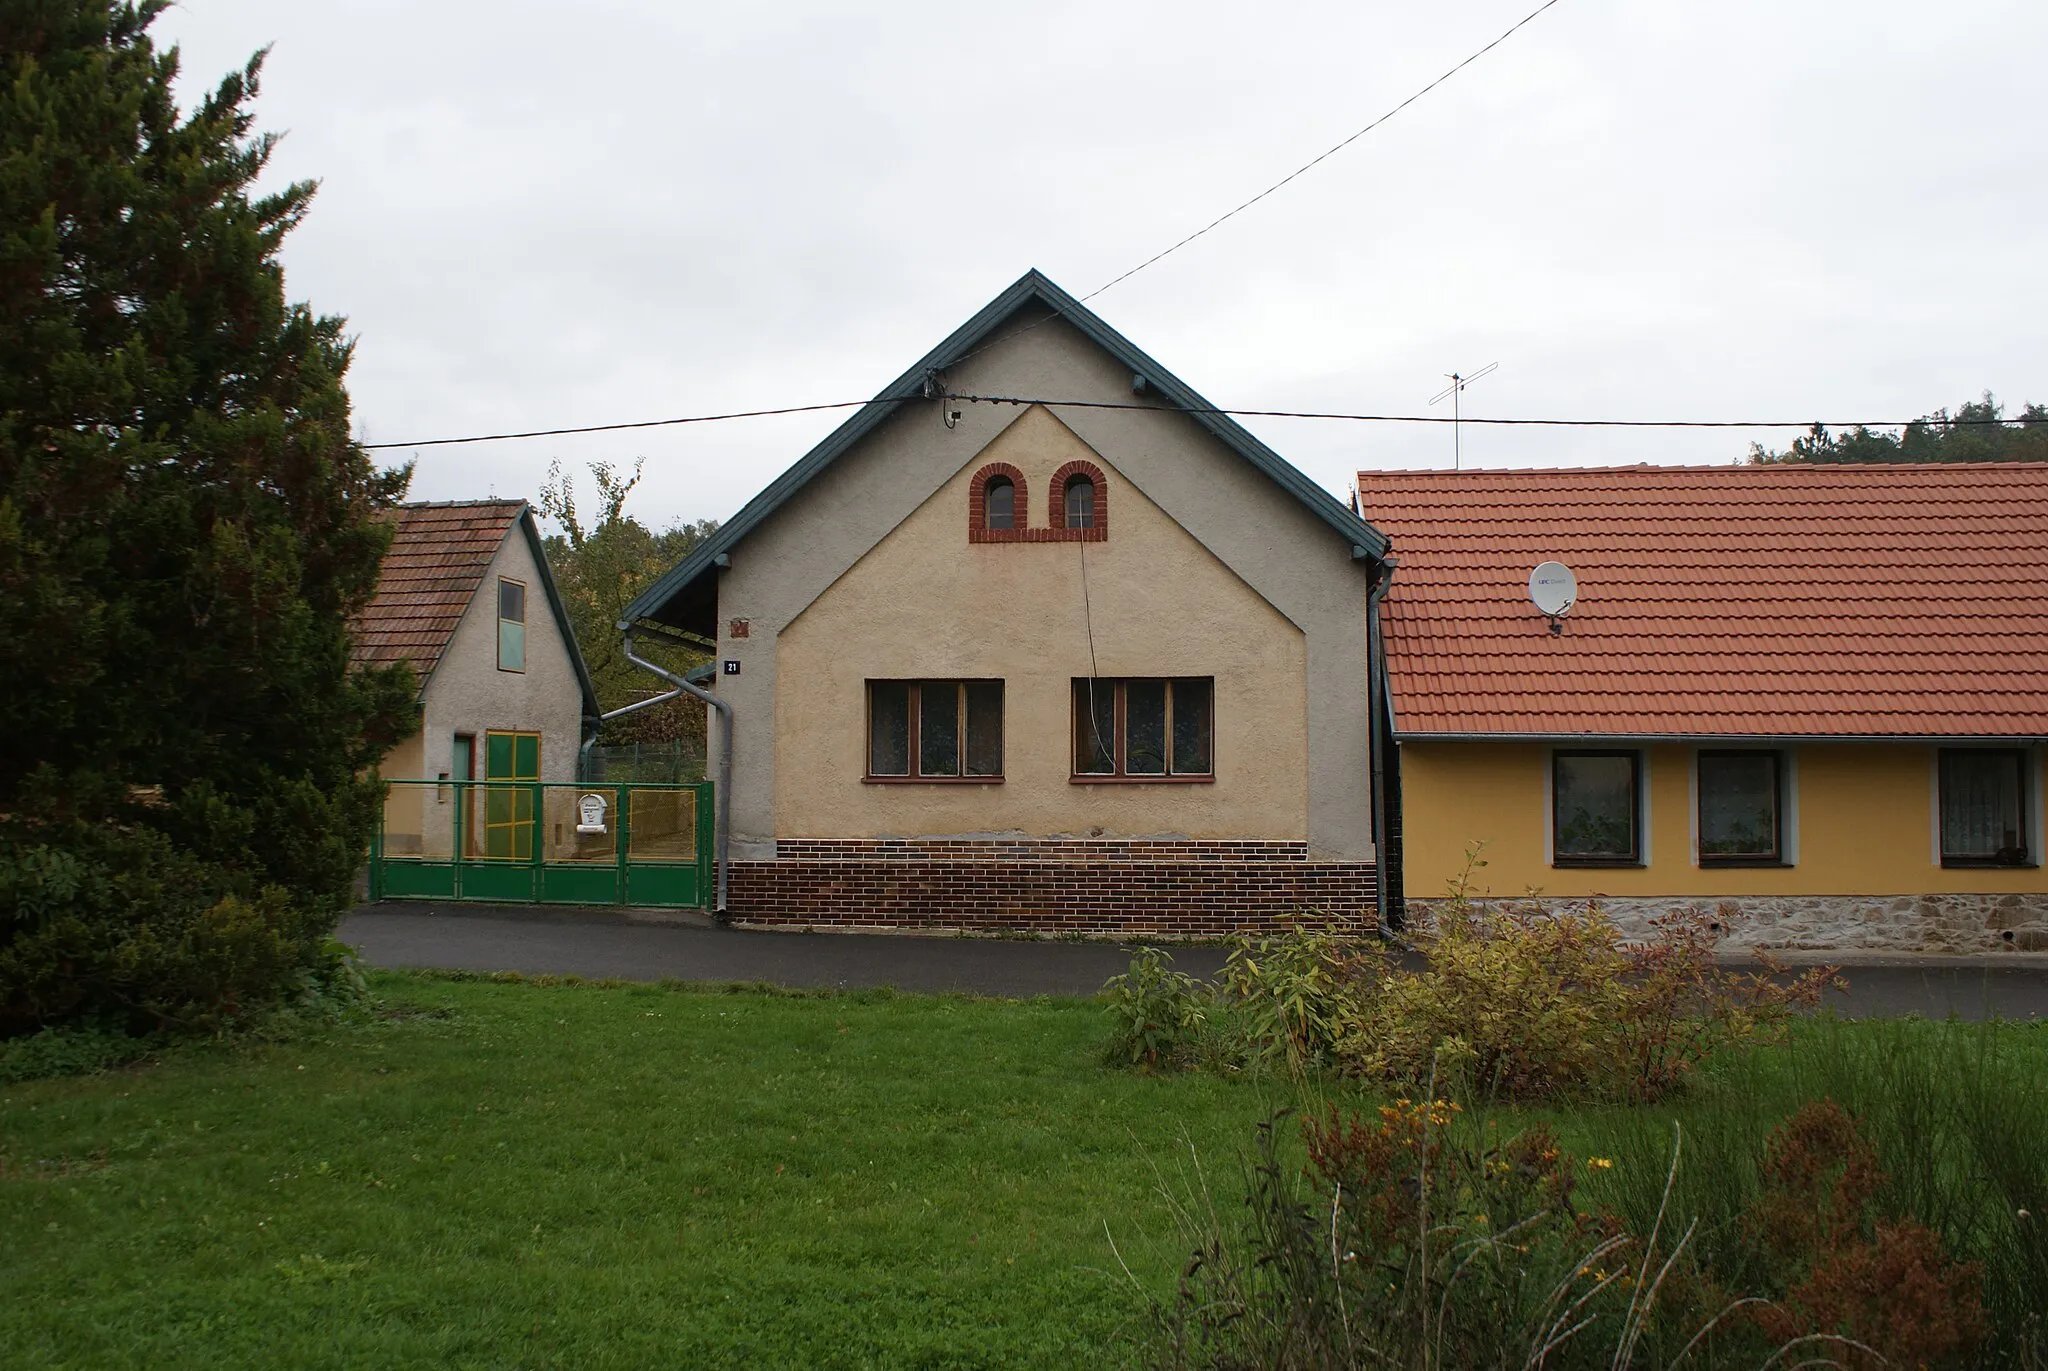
pixel 614 428
pixel 1307 166
pixel 1313 162
pixel 1448 419
pixel 1218 410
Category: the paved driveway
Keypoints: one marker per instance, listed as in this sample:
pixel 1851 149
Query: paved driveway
pixel 605 943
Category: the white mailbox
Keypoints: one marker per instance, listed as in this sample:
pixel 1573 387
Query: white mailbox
pixel 590 814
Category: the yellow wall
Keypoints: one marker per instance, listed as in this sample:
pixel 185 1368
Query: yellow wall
pixel 404 812
pixel 924 602
pixel 1864 816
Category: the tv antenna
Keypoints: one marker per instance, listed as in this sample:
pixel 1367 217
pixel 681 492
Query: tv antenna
pixel 1455 390
pixel 1553 590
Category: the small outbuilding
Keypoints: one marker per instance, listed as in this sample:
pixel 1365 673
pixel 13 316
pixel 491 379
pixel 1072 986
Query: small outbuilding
pixel 466 597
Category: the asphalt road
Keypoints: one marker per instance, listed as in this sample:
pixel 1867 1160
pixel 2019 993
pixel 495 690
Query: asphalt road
pixel 605 943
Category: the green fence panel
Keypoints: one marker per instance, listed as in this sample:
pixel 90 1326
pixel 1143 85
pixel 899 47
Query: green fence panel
pixel 502 843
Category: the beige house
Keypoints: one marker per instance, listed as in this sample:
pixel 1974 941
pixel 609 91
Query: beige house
pixel 465 596
pixel 1087 657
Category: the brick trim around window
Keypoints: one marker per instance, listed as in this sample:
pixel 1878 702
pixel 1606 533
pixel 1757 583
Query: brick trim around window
pixel 1056 505
pixel 978 530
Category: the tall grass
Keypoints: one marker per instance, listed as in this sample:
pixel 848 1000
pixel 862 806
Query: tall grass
pixel 1957 1113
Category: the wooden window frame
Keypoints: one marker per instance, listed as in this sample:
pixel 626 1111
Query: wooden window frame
pixel 524 594
pixel 2029 858
pixel 1119 745
pixel 1635 857
pixel 915 686
pixel 1777 853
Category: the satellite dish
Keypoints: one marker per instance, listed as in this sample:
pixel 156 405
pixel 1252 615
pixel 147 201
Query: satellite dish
pixel 1553 590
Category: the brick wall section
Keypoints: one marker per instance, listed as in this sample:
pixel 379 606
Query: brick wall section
pixel 1099 887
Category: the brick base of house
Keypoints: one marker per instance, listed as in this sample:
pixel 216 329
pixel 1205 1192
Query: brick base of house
pixel 1094 887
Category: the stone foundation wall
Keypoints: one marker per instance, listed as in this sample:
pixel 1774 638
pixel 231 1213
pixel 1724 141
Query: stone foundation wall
pixel 1841 923
pixel 1162 889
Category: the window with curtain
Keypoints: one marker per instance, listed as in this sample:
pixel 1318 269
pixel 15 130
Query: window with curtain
pixel 1740 798
pixel 935 730
pixel 1144 728
pixel 1984 807
pixel 1596 809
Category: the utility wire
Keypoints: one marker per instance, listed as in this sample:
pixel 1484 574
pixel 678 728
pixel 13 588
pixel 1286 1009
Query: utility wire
pixel 1313 162
pixel 614 428
pixel 1305 167
pixel 1447 419
pixel 1215 409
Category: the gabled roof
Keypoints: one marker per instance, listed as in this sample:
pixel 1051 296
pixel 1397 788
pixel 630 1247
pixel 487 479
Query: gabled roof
pixel 1753 601
pixel 1032 292
pixel 439 555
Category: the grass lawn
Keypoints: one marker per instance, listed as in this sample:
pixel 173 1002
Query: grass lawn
pixel 519 1175
pixel 514 1175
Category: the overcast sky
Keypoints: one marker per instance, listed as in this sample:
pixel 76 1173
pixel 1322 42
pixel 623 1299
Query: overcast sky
pixel 539 216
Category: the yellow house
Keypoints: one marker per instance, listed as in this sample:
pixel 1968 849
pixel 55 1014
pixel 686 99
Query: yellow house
pixel 1808 700
pixel 1037 640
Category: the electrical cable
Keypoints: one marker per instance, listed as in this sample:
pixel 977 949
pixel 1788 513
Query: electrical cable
pixel 613 428
pixel 1307 166
pixel 1216 409
pixel 1313 162
pixel 1088 617
pixel 1448 419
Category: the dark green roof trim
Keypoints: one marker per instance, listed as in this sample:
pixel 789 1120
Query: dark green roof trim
pixel 1364 540
pixel 561 612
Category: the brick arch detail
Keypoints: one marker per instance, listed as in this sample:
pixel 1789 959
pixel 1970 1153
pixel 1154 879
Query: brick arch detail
pixel 978 530
pixel 1057 503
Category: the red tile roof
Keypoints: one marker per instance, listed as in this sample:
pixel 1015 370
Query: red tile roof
pixel 1791 601
pixel 438 556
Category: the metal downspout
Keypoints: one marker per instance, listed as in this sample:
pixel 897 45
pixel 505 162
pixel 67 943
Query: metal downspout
pixel 721 798
pixel 1375 674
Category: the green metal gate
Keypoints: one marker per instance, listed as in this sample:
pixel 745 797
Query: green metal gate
pixel 542 842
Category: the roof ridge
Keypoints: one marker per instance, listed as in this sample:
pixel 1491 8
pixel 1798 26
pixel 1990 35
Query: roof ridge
pixel 491 502
pixel 1704 468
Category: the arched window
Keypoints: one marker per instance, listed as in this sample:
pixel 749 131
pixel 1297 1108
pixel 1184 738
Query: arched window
pixel 997 506
pixel 1080 502
pixel 1001 496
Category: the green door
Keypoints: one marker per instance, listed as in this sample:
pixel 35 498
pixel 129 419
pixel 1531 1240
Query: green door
pixel 508 810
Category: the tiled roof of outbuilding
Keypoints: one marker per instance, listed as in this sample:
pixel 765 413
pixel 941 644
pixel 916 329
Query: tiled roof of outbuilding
pixel 1777 601
pixel 438 557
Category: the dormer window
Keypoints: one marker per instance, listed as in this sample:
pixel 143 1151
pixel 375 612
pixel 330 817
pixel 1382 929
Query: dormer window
pixel 1001 494
pixel 1080 502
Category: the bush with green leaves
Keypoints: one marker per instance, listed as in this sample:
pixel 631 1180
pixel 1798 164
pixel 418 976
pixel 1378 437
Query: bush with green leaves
pixel 1157 1011
pixel 1519 1002
pixel 1528 1002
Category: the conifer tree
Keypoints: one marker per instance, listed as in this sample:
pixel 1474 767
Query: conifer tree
pixel 185 529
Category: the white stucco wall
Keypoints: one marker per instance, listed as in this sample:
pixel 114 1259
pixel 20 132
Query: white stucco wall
pixel 468 694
